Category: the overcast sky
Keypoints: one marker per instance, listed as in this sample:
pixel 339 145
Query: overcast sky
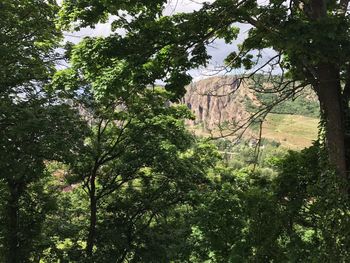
pixel 218 50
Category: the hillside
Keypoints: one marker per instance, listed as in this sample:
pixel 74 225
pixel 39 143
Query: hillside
pixel 291 131
pixel 216 102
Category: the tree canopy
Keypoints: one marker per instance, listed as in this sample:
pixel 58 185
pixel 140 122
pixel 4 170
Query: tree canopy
pixel 310 39
pixel 97 164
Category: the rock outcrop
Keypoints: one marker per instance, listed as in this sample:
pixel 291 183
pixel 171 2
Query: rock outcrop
pixel 216 101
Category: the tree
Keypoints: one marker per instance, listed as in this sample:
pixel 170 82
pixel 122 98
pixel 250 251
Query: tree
pixel 145 220
pixel 310 40
pixel 32 133
pixel 126 138
pixel 150 214
pixel 27 40
pixel 309 201
pixel 294 214
pixel 137 149
pixel 35 126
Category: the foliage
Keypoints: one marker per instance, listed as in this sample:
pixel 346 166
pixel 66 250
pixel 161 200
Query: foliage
pixel 295 216
pixel 164 47
pixel 102 168
pixel 27 38
pixel 137 151
pixel 303 104
pixel 33 132
pixel 35 126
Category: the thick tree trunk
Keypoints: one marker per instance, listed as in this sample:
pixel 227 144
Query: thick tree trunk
pixel 13 246
pixel 329 93
pixel 93 217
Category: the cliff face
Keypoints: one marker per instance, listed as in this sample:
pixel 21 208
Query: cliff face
pixel 217 100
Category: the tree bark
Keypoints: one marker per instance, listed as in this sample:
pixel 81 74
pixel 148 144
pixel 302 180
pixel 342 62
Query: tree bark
pixel 329 93
pixel 93 217
pixel 330 97
pixel 13 244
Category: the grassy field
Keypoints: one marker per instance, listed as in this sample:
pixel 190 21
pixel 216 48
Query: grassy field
pixel 292 131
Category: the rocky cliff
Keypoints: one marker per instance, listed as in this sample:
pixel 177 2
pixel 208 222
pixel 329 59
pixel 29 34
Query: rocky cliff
pixel 216 101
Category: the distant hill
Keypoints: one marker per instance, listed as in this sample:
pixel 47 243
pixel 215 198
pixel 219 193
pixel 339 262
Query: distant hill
pixel 217 102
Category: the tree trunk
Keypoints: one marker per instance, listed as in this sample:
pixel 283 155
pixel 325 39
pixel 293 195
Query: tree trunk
pixel 329 94
pixel 13 246
pixel 93 217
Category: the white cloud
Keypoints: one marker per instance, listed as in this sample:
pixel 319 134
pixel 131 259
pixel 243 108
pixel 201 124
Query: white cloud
pixel 101 30
pixel 183 6
pixel 104 29
pixel 218 49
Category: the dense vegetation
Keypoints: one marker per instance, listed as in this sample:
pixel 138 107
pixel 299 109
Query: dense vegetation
pixel 303 104
pixel 98 166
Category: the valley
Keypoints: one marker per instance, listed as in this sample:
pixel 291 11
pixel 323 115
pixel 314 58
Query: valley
pixel 219 107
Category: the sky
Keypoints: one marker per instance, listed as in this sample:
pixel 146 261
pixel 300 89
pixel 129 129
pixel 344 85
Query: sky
pixel 173 6
pixel 218 49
